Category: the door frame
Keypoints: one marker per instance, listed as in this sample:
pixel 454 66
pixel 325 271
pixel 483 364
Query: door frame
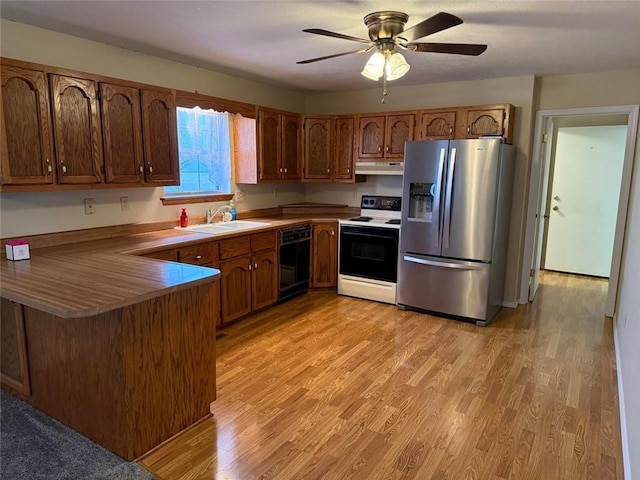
pixel 538 175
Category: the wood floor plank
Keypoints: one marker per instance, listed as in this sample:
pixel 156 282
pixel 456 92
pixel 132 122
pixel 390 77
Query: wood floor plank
pixel 331 387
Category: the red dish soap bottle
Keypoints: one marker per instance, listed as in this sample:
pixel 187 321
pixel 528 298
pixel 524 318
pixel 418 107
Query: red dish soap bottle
pixel 184 219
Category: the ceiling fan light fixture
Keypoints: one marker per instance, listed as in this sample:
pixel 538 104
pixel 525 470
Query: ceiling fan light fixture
pixel 396 66
pixel 374 68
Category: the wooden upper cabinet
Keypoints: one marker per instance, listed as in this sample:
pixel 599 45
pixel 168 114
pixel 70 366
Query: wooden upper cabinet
pixel 160 137
pixel 344 148
pixel 383 136
pixel 473 122
pixel 317 149
pixel 291 147
pixel 437 126
pixel 398 129
pixel 279 145
pixel 371 137
pixel 77 131
pixel 25 128
pixel 121 128
pixel 269 145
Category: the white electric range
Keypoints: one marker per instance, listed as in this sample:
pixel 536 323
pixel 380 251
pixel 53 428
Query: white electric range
pixel 368 250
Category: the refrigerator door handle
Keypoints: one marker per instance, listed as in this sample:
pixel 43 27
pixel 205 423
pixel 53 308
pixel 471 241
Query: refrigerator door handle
pixel 459 266
pixel 443 152
pixel 447 198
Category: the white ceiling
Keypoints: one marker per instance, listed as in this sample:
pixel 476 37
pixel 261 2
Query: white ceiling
pixel 262 40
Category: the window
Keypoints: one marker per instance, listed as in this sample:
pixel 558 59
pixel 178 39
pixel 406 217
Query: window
pixel 205 139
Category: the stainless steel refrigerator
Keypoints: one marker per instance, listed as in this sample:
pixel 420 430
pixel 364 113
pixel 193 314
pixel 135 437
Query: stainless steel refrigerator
pixel 456 204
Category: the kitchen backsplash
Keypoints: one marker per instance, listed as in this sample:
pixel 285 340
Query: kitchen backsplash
pixel 350 194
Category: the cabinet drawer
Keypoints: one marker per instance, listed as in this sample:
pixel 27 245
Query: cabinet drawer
pixel 263 241
pixel 235 247
pixel 202 255
pixel 171 255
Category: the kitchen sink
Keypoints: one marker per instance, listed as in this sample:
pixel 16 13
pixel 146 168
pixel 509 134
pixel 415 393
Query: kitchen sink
pixel 224 227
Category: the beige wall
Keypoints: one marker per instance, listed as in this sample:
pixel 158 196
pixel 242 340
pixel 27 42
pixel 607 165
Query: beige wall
pixel 596 90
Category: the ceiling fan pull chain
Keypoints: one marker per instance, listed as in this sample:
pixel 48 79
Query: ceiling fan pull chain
pixel 384 86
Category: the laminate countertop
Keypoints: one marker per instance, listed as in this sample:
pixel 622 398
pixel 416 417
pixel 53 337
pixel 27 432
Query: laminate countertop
pixel 88 278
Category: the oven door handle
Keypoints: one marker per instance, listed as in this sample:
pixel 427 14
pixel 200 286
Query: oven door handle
pixel 459 266
pixel 368 235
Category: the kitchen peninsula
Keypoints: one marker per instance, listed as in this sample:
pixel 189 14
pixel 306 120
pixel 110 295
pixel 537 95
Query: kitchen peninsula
pixel 120 348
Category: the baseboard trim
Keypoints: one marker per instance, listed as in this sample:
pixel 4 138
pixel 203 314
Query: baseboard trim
pixel 626 462
pixel 509 304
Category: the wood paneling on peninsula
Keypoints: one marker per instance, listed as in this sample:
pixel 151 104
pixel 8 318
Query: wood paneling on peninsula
pixel 129 378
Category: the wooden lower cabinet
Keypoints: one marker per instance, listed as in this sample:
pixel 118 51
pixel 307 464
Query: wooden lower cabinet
pixel 324 254
pixel 235 288
pixel 264 279
pixel 14 365
pixel 249 270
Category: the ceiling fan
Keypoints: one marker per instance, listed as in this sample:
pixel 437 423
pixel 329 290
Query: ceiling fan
pixel 387 35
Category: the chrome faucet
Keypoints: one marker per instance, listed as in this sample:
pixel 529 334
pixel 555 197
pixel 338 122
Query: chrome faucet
pixel 211 216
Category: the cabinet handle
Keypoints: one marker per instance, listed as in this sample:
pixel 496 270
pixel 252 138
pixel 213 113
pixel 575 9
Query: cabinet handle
pixel 328 170
pixel 150 169
pixel 469 130
pixel 386 149
pixel 64 169
pixel 249 266
pixel 379 148
pixel 451 131
pixel 255 266
pixel 333 232
pixel 141 169
pixel 48 167
pixel 280 169
pixel 198 257
pixel 348 170
pixel 285 170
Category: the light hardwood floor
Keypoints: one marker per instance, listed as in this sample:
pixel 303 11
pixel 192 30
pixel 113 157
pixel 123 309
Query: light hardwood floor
pixel 329 387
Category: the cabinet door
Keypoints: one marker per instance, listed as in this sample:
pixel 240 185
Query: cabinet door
pixel 27 149
pixel 485 122
pixel 235 288
pixel 399 129
pixel 325 258
pixel 317 149
pixel 344 148
pixel 291 148
pixel 269 145
pixel 370 137
pixel 121 128
pixel 437 126
pixel 264 279
pixel 14 364
pixel 76 129
pixel 160 137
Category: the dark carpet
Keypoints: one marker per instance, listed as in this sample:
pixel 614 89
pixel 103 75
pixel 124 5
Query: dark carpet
pixel 34 446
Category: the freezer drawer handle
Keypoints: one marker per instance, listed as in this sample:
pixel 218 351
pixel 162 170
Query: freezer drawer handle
pixel 459 266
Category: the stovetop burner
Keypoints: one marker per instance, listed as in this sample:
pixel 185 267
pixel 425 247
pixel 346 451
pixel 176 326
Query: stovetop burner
pixel 361 219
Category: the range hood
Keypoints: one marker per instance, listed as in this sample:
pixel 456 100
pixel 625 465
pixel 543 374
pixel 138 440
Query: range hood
pixel 379 168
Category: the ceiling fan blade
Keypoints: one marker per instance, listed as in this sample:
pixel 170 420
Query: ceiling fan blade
pixel 311 60
pixel 327 33
pixel 437 23
pixel 454 48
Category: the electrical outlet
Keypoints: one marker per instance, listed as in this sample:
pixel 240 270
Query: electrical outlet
pixel 89 206
pixel 124 203
pixel 239 195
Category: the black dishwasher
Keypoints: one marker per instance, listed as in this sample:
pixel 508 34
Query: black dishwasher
pixel 295 251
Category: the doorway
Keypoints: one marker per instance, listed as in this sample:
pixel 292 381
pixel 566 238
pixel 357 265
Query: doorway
pixel 582 204
pixel 547 124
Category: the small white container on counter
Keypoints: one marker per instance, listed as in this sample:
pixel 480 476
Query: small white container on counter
pixel 17 250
